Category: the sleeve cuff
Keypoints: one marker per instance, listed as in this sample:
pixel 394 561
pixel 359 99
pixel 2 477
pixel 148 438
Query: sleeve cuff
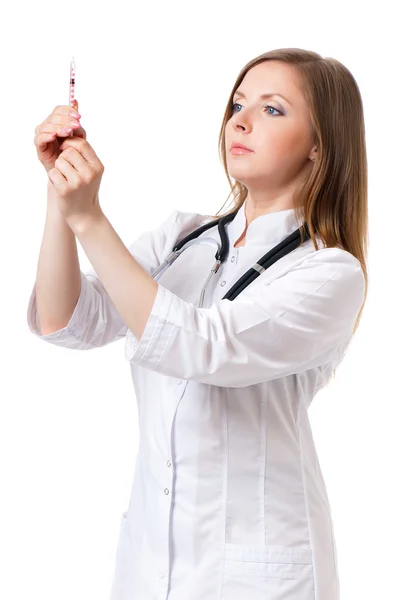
pixel 158 332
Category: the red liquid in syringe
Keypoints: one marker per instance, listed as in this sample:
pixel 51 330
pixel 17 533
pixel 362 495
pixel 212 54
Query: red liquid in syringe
pixel 72 87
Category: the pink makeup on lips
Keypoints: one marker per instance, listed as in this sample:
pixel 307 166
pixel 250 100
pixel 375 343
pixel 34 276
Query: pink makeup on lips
pixel 241 151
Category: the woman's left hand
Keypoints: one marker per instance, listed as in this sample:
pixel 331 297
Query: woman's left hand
pixel 77 177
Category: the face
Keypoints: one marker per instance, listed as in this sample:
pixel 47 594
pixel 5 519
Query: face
pixel 277 129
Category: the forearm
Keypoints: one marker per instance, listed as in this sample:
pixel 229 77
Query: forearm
pixel 130 287
pixel 58 270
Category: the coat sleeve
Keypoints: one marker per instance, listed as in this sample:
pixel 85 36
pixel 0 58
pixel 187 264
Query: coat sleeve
pixel 296 322
pixel 95 321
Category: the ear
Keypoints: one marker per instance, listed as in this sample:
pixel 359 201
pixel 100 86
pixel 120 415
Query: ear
pixel 314 151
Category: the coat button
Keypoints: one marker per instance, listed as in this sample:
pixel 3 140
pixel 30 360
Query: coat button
pixel 166 491
pixel 232 259
pixel 223 283
pixel 162 575
pixel 168 463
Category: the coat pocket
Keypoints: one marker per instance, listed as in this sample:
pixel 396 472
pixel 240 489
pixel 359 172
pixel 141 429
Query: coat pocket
pixel 122 584
pixel 271 572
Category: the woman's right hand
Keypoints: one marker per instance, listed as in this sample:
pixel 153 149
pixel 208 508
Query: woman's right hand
pixel 48 147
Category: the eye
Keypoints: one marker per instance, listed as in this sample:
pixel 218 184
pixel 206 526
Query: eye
pixel 267 106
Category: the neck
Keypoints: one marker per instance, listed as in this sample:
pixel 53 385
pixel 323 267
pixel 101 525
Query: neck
pixel 256 209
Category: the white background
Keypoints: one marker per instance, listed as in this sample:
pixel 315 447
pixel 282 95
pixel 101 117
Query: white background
pixel 152 82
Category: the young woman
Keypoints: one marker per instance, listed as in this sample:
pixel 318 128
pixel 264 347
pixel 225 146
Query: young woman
pixel 228 499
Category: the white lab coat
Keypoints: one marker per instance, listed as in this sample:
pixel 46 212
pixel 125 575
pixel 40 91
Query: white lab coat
pixel 228 499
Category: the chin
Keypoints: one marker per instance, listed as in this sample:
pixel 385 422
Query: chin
pixel 243 174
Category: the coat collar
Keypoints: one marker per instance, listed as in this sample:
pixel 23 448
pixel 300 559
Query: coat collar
pixel 268 229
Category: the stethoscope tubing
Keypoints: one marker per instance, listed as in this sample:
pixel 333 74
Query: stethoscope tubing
pixel 284 247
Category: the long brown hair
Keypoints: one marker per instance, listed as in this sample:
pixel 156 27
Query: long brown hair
pixel 333 199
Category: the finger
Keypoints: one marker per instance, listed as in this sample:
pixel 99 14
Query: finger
pixel 42 139
pixel 71 143
pixel 58 125
pixel 75 159
pixel 70 174
pixel 85 150
pixel 63 119
pixel 58 180
pixel 79 133
pixel 60 131
pixel 63 110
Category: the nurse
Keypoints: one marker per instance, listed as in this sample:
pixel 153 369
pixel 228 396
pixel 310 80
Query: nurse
pixel 228 499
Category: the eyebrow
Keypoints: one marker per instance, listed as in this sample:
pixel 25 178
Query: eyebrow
pixel 263 96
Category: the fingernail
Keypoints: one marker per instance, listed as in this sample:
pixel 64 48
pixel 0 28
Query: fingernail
pixel 75 115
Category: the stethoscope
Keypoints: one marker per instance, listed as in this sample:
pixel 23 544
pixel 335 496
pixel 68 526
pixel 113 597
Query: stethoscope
pixel 286 246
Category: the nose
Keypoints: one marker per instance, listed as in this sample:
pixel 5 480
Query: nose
pixel 241 121
pixel 242 126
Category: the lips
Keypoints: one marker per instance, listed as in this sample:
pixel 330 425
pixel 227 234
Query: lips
pixel 240 145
